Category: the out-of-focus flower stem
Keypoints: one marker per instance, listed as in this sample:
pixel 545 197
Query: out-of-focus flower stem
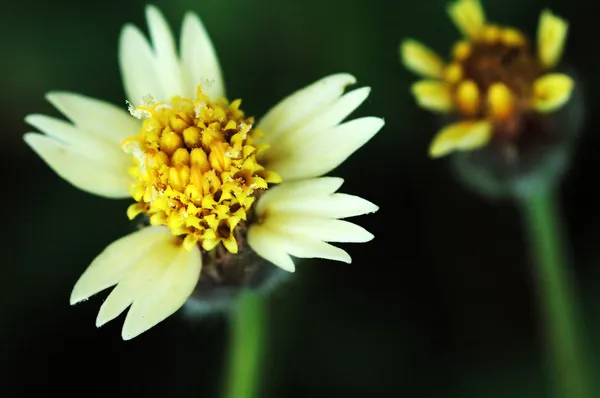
pixel 557 296
pixel 248 327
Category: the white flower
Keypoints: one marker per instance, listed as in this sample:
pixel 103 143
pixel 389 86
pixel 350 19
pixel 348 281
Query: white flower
pixel 202 171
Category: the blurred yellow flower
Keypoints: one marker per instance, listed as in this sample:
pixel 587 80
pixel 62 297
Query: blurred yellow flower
pixel 201 171
pixel 492 81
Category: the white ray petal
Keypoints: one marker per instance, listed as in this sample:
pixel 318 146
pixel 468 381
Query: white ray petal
pixel 93 146
pixel 104 177
pixel 338 205
pixel 325 229
pixel 106 120
pixel 166 295
pixel 166 61
pixel 115 261
pixel 329 117
pixel 324 152
pixel 297 190
pixel 268 244
pixel 304 247
pixel 299 108
pixel 199 57
pixel 148 268
pixel 136 61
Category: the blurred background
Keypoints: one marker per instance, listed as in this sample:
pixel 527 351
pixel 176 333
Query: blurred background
pixel 441 304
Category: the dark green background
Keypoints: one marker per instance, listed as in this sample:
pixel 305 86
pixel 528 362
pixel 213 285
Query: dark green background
pixel 441 304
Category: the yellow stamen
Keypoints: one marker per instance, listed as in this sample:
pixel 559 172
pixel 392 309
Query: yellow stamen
pixel 195 168
pixel 135 209
pixel 501 101
pixel 512 37
pixel 467 97
pixel 453 73
pixel 490 34
pixel 462 49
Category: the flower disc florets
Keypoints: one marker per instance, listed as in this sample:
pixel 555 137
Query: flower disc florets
pixel 195 168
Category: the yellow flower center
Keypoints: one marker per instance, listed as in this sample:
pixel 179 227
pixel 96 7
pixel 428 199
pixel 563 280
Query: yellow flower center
pixel 195 169
pixel 492 76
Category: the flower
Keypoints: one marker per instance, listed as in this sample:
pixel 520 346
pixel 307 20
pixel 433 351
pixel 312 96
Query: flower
pixel 495 84
pixel 210 182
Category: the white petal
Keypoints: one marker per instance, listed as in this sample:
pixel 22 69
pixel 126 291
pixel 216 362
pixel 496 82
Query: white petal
pixel 273 244
pixel 298 190
pixel 313 248
pixel 269 245
pixel 338 205
pixel 90 114
pixel 94 147
pixel 106 177
pixel 149 267
pixel 297 220
pixel 166 295
pixel 329 117
pixel 324 152
pixel 110 266
pixel 199 57
pixel 325 229
pixel 166 62
pixel 136 61
pixel 298 108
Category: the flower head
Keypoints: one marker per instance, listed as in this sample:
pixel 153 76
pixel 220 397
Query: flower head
pixel 195 169
pixel 496 85
pixel 212 184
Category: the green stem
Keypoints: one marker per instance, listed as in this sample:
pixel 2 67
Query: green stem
pixel 247 346
pixel 557 298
